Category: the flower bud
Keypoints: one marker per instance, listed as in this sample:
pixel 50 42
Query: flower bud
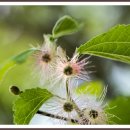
pixel 15 90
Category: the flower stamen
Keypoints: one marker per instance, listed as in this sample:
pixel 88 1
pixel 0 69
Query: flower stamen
pixel 46 58
pixel 68 70
pixel 68 107
pixel 93 114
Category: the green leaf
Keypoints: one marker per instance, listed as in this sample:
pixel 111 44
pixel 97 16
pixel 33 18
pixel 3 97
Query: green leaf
pixel 114 44
pixel 5 67
pixel 22 57
pixel 94 87
pixel 121 111
pixel 65 26
pixel 28 104
pixel 18 59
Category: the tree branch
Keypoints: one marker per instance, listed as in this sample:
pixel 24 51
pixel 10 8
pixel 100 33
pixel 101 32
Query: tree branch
pixel 56 116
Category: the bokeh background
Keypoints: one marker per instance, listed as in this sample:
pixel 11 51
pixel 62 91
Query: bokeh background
pixel 22 26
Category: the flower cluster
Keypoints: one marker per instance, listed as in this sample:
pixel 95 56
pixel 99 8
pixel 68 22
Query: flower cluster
pixel 56 67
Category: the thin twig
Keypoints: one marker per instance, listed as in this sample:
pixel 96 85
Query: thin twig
pixel 56 116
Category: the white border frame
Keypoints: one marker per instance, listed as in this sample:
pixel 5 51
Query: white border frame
pixel 65 126
pixel 64 4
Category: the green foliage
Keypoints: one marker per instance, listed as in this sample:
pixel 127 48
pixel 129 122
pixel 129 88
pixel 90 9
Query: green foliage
pixel 18 59
pixel 65 26
pixel 121 111
pixel 94 87
pixel 28 104
pixel 114 44
pixel 5 67
pixel 22 57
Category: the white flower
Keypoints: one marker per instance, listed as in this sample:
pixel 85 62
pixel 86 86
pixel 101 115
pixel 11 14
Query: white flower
pixel 45 58
pixel 72 69
pixel 93 109
pixel 84 109
pixel 62 110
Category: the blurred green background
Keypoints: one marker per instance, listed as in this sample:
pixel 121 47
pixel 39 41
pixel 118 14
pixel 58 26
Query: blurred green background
pixel 22 26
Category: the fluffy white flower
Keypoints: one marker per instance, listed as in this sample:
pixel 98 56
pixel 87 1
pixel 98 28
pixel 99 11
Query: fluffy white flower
pixel 93 109
pixel 45 58
pixel 71 70
pixel 83 109
pixel 62 110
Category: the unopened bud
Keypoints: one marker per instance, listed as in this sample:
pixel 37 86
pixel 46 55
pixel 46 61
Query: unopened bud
pixel 15 90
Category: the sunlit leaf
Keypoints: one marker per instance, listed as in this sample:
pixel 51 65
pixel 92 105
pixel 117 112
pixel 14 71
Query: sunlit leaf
pixel 94 88
pixel 28 103
pixel 18 59
pixel 121 111
pixel 22 57
pixel 5 67
pixel 65 26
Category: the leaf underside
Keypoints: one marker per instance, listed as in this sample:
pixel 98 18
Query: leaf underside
pixel 114 44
